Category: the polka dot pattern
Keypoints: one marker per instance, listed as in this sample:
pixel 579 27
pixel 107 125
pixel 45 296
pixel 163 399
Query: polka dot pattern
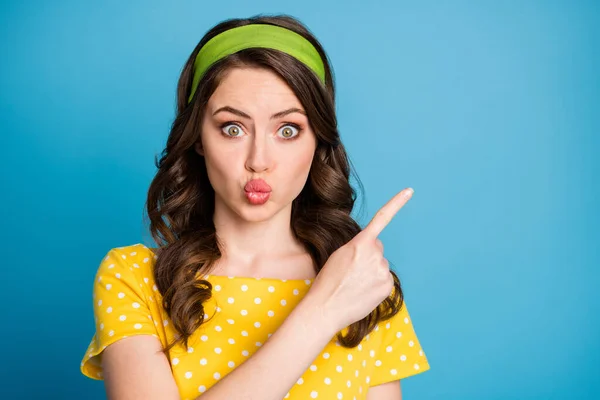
pixel 240 317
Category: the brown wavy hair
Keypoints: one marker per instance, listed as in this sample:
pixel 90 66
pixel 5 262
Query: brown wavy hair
pixel 180 202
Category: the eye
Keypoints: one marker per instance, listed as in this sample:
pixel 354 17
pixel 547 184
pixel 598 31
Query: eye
pixel 231 130
pixel 289 131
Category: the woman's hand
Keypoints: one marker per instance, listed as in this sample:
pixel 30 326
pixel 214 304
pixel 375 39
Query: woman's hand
pixel 356 278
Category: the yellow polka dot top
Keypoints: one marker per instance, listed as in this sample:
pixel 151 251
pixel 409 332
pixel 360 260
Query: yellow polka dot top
pixel 241 315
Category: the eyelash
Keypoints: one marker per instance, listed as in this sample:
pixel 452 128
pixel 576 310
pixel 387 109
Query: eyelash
pixel 297 127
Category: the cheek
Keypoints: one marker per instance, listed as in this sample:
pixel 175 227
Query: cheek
pixel 222 167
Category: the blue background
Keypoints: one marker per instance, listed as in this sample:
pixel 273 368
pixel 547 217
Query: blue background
pixel 489 110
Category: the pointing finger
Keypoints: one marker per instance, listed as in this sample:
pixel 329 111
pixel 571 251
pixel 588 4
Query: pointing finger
pixel 385 214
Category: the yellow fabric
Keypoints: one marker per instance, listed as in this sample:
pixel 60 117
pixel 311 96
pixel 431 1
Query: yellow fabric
pixel 243 313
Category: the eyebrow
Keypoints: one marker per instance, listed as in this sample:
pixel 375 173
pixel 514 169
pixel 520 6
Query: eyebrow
pixel 274 116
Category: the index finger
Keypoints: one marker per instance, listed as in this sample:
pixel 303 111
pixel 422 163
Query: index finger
pixel 385 214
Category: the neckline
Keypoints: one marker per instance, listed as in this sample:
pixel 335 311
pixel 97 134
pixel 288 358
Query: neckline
pixel 252 278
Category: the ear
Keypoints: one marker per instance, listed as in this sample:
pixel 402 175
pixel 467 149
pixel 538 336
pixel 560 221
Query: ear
pixel 198 147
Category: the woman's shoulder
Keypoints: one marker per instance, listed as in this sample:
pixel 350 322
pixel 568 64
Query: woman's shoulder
pixel 134 261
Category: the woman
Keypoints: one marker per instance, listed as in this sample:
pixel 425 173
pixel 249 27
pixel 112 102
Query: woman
pixel 262 286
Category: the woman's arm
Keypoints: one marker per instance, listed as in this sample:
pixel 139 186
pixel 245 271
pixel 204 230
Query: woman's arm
pixel 385 391
pixel 135 367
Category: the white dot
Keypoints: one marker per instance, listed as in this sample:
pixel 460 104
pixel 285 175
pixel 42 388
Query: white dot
pixel 416 366
pixel 258 344
pixel 118 275
pixel 109 310
pixel 111 266
pixel 230 300
pixel 399 334
pixel 283 302
pixel 217 288
pixel 135 265
pixel 402 357
pixel 110 333
pixel 270 313
pixel 387 326
pixel 368 379
pixel 271 289
pixel 378 363
pixel 314 394
pixel 313 367
pixel 327 381
pixel 349 357
pixel 296 292
pixel 244 312
pixel 411 343
pixel 218 328
pixel 231 341
pixel 165 322
pixel 307 281
pixel 389 349
pixel 99 302
pixel 188 375
pixel 203 361
pixel 138 326
pixel 338 368
pixel 257 324
pixel 257 300
pixel 101 326
pixel 393 372
pixel 202 388
pixel 121 295
pixel 360 347
pixel 245 353
pixel 175 361
pixel 244 288
pixel 190 350
pixel 133 253
pixel 231 364
pixel 218 350
pixel 421 353
pixel 136 305
pixel 154 288
pixel 348 383
pixel 230 321
pixel 108 286
pixel 406 320
pixel 372 353
pixel 339 395
pixel 122 318
pixel 326 355
pixel 244 333
pixel 146 260
pixel 300 381
pixel 204 338
pixel 123 256
pixel 216 375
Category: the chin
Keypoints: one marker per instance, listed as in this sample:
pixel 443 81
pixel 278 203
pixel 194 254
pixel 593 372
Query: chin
pixel 256 213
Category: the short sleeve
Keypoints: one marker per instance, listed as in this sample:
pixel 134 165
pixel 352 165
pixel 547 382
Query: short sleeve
pixel 398 354
pixel 120 309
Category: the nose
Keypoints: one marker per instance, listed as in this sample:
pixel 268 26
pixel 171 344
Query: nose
pixel 259 157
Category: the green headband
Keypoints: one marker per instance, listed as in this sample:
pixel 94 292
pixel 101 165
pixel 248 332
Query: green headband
pixel 256 35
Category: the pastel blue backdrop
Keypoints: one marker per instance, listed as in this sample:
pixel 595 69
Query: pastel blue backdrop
pixel 488 109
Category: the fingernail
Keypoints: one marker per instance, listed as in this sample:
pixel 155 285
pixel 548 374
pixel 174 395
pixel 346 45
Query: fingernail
pixel 409 192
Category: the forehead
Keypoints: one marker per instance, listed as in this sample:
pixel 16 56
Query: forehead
pixel 255 89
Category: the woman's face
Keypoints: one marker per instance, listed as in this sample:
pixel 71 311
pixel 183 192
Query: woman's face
pixel 255 127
